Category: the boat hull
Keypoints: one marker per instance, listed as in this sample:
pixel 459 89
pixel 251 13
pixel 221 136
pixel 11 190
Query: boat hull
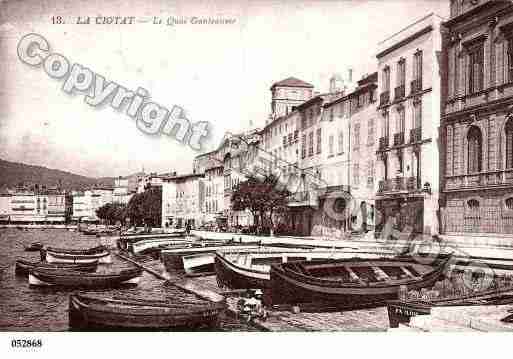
pixel 290 288
pixel 53 257
pixel 236 277
pixel 83 280
pixel 119 315
pixel 24 267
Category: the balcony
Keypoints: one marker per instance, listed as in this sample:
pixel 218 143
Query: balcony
pixel 415 135
pixel 399 92
pixel 399 184
pixel 384 98
pixel 383 143
pixel 480 180
pixel 399 139
pixel 416 86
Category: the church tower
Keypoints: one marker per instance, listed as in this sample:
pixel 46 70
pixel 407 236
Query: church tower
pixel 288 93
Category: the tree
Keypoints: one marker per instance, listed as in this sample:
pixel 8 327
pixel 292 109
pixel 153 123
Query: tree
pixel 112 212
pixel 146 208
pixel 263 198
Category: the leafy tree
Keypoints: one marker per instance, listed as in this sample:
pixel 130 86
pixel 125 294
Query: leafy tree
pixel 263 198
pixel 112 212
pixel 146 208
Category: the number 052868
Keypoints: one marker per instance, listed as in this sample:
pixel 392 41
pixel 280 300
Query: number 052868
pixel 26 343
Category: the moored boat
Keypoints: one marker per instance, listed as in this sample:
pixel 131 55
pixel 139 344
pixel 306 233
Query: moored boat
pixel 60 257
pixel 93 250
pixel 23 267
pixel 92 312
pixel 143 245
pixel 68 278
pixel 351 283
pixel 33 247
pixel 251 269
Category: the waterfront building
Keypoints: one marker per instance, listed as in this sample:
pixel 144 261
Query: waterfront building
pixel 121 193
pixel 58 207
pixel 5 206
pixel 181 199
pixel 408 119
pixel 28 207
pixel 85 203
pixel 477 121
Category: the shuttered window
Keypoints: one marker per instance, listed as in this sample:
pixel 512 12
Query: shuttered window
pixel 509 143
pixel 476 57
pixel 510 59
pixel 474 149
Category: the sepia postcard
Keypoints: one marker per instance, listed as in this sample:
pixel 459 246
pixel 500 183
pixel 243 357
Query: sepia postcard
pixel 202 166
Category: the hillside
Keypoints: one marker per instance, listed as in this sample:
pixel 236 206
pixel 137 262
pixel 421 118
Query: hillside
pixel 12 173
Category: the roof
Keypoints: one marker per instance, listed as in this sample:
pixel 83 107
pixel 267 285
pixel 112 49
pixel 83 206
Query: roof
pixel 292 82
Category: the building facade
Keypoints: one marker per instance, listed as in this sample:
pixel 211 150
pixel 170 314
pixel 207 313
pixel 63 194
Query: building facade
pixel 408 120
pixel 477 123
pixel 181 200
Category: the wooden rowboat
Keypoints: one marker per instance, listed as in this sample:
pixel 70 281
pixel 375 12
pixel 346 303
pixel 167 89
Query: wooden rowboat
pixel 23 267
pixel 251 269
pixel 93 250
pixel 67 278
pixel 90 312
pixel 59 257
pixel 351 283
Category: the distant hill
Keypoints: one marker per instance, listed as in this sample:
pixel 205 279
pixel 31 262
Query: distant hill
pixel 12 173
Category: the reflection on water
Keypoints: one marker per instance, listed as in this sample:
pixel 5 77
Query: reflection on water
pixel 24 308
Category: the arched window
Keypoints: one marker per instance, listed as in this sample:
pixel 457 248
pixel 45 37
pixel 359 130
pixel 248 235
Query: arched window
pixel 508 129
pixel 475 142
pixel 509 203
pixel 473 204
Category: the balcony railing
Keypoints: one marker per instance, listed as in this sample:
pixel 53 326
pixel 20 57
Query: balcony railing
pixel 399 184
pixel 399 92
pixel 416 85
pixel 415 135
pixel 383 143
pixel 399 139
pixel 384 98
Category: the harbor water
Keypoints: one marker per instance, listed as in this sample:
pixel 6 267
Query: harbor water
pixel 26 308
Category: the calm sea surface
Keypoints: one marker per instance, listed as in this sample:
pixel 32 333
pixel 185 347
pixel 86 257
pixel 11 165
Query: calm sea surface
pixel 24 308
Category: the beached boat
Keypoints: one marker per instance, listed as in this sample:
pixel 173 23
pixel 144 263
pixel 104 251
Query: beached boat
pixel 197 255
pixel 93 250
pixel 251 269
pixel 143 245
pixel 351 283
pixel 33 247
pixel 60 257
pixel 23 267
pixel 92 312
pixel 68 278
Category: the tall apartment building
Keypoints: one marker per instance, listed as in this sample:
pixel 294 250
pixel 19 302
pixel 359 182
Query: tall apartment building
pixel 408 118
pixel 477 123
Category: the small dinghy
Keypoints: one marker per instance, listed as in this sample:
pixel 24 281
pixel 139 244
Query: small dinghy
pixel 93 250
pixel 63 257
pixel 33 247
pixel 68 278
pixel 351 283
pixel 92 312
pixel 23 267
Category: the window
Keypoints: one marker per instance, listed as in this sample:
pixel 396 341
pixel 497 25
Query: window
pixel 475 141
pixel 370 130
pixel 400 120
pixel 310 143
pixel 386 79
pixel 303 146
pixel 356 174
pixel 417 68
pixel 319 141
pixel 370 173
pixel 476 68
pixel 400 161
pixel 401 72
pixel 510 59
pixel 340 142
pixel 509 143
pixel 417 114
pixel 386 125
pixel 509 203
pixel 356 139
pixel 330 145
pixel 331 114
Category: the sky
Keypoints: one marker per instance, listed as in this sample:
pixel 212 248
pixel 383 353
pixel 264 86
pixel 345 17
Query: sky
pixel 217 73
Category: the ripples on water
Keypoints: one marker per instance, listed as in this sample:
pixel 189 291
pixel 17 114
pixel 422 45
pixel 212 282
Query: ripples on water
pixel 24 308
